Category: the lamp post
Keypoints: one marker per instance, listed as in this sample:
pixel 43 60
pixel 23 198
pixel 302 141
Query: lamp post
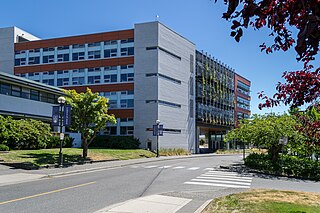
pixel 157 122
pixel 61 101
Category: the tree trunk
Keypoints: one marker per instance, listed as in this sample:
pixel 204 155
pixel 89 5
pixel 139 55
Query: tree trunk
pixel 274 151
pixel 85 148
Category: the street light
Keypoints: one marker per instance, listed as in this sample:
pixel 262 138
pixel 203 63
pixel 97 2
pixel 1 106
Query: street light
pixel 61 101
pixel 157 122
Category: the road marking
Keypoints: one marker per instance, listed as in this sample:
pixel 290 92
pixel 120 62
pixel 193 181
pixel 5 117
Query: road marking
pixel 208 169
pixel 179 167
pixel 221 172
pixel 46 193
pixel 149 167
pixel 224 176
pixel 134 167
pixel 194 168
pixel 221 178
pixel 216 184
pixel 165 167
pixel 222 181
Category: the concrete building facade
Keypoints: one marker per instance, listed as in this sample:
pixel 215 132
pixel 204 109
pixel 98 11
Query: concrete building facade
pixel 148 73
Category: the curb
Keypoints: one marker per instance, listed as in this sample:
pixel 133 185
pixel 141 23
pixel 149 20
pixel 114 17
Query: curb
pixel 203 206
pixel 126 164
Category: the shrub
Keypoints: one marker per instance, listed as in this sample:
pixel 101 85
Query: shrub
pixel 285 165
pixel 55 142
pixel 24 133
pixel 116 142
pixel 4 147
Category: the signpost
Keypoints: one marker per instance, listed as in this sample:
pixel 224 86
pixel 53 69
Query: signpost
pixel 157 131
pixel 61 116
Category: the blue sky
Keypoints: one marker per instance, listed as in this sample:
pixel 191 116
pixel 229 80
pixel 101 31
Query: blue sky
pixel 198 20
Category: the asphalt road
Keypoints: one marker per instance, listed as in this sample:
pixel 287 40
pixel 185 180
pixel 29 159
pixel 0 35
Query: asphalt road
pixel 195 178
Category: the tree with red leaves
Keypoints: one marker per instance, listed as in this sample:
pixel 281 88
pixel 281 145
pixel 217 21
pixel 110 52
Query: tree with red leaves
pixel 281 16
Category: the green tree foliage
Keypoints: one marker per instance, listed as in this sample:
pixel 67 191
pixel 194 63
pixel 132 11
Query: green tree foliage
pixel 24 133
pixel 89 115
pixel 265 131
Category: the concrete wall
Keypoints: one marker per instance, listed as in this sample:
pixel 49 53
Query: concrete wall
pixel 9 36
pixel 7 50
pixel 172 59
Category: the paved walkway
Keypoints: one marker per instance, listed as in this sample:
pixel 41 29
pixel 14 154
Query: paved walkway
pixel 150 204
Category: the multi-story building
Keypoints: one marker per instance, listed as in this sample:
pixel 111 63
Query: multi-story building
pixel 148 73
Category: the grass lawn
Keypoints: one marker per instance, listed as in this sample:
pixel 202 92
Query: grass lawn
pixel 266 201
pixel 50 156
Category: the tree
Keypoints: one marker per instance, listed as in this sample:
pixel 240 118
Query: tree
pixel 302 86
pixel 265 131
pixel 89 115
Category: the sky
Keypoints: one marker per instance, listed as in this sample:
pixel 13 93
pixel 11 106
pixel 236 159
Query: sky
pixel 198 20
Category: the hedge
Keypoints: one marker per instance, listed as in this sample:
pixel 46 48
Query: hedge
pixel 115 142
pixel 286 165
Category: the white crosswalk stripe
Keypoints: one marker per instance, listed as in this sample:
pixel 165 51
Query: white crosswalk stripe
pixel 149 167
pixel 221 179
pixel 194 168
pixel 179 167
pixel 208 169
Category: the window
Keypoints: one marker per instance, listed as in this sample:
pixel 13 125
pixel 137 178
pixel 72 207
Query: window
pixel 34 95
pixel 48 81
pixel 25 93
pixel 77 56
pixel 110 78
pixel 110 68
pixel 34 60
pixel 95 69
pixel 94 79
pixel 63 47
pixel 191 86
pixel 191 108
pixel 94 54
pixel 78 70
pixel 127 51
pixel 19 52
pixel 30 74
pixel 126 130
pixel 5 89
pixel 129 92
pixel 110 53
pixel 78 81
pixel 127 77
pixel 48 59
pixel 166 103
pixel 20 61
pixel 62 81
pixel 129 40
pixel 94 44
pixel 112 42
pixel 63 57
pixel 34 50
pixel 112 104
pixel 48 49
pixel 76 46
pixel 126 103
pixel 164 50
pixel 123 67
pixel 22 75
pixel 16 91
pixel 191 63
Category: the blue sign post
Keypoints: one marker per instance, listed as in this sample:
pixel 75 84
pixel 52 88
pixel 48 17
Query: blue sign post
pixel 55 116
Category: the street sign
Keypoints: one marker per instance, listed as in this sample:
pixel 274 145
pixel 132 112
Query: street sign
pixel 67 115
pixel 55 116
pixel 283 140
pixel 61 136
pixel 160 130
pixel 157 131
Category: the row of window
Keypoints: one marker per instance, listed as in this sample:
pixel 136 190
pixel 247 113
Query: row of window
pixel 81 70
pixel 75 46
pixel 124 130
pixel 22 92
pixel 78 56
